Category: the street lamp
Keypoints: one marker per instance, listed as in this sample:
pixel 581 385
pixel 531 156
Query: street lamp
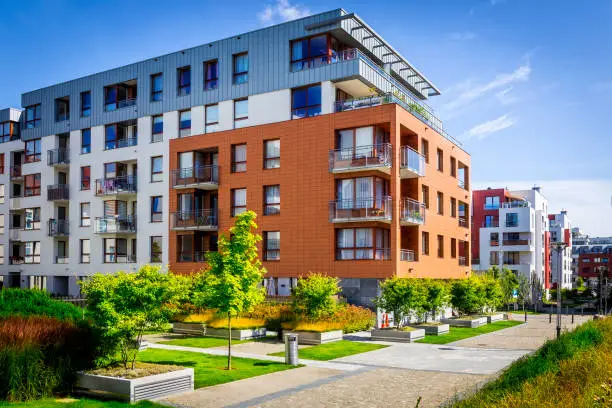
pixel 559 247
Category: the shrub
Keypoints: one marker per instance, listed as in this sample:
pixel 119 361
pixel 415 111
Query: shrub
pixel 354 318
pixel 274 314
pixel 33 302
pixel 436 296
pixel 492 293
pixel 313 296
pixel 402 296
pixel 467 295
pixel 238 323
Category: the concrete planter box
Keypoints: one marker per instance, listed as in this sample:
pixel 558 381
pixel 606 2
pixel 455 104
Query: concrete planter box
pixel 314 338
pixel 189 328
pixel 434 330
pixel 244 334
pixel 495 317
pixel 136 389
pixel 400 336
pixel 466 321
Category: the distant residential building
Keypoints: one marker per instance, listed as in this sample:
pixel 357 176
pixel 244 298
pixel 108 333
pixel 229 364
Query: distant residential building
pixel 561 231
pixel 591 258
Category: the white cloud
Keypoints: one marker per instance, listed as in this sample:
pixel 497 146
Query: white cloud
pixel 588 202
pixel 462 36
pixel 281 11
pixel 505 97
pixel 485 129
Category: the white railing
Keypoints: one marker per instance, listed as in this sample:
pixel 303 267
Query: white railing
pixel 412 211
pixel 407 255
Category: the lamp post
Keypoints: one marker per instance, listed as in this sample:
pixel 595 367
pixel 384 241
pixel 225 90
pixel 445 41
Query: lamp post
pixel 559 247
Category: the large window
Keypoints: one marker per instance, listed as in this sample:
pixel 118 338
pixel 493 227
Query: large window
pixel 86 104
pixel 85 250
pixel 362 243
pixel 157 131
pixel 239 158
pixel 211 75
pixel 32 252
pixel 85 141
pixel 62 109
pixel 212 118
pixel 306 102
pixel 157 87
pixel 271 246
pixel 489 221
pixel 511 219
pixel 156 249
pixel 32 117
pixel 156 209
pixel 492 203
pixel 32 151
pixel 241 112
pixel 310 52
pixel 32 185
pixel 239 204
pixel 241 68
pixel 9 131
pixel 272 154
pixel 272 200
pixel 361 192
pixel 85 215
pixel 183 81
pixel 115 250
pixel 157 169
pixel 85 178
pixel 512 258
pixel 185 123
pixel 31 218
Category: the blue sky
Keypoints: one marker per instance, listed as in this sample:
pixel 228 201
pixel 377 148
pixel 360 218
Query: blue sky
pixel 525 84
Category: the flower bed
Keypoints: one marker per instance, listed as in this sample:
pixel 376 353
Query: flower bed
pixel 315 338
pixel 404 335
pixel 237 334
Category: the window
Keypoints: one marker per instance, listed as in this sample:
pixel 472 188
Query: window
pixel 115 250
pixel 272 154
pixel 32 151
pixel 238 201
pixel 271 246
pixel 31 218
pixel 185 123
pixel 453 248
pixel 239 157
pixel 1 193
pixel 157 87
pixel 85 215
pixel 511 219
pixel 62 109
pixel 156 209
pixel 306 102
pixel 1 163
pixel 489 221
pixel 85 141
pixel 310 52
pixel 184 81
pixel 156 249
pixel 491 203
pixel 453 207
pixel 32 252
pixel 120 95
pixel 362 243
pixel 157 169
pixel 241 68
pixel 241 112
pixel 272 200
pixel 1 223
pixel 157 128
pixel 440 246
pixel 32 116
pixel 453 167
pixel 440 157
pixel 9 131
pixel 425 243
pixel 425 194
pixel 212 118
pixel 85 177
pixel 440 203
pixel 86 104
pixel 425 149
pixel 32 185
pixel 512 258
pixel 211 75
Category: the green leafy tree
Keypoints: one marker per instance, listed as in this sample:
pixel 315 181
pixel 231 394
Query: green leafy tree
pixel 231 283
pixel 313 296
pixel 524 289
pixel 467 295
pixel 494 271
pixel 123 305
pixel 401 296
pixel 509 283
pixel 580 284
pixel 436 292
pixel 492 293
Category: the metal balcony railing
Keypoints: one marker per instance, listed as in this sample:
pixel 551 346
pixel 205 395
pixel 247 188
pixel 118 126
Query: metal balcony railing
pixel 407 255
pixel 192 256
pixel 463 222
pixel 322 60
pixel 124 103
pixel 462 261
pixel 360 209
pixel 412 160
pixel 58 156
pixel 63 260
pixel 516 242
pixel 194 219
pixel 363 157
pixel 58 192
pixel 195 175
pixel 490 224
pixel 412 211
pixel 58 228
pixel 111 225
pixel 16 171
pixel 120 143
pixel 119 258
pixel 117 185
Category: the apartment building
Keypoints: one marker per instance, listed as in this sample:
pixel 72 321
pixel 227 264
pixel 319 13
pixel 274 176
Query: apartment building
pixel 560 229
pixel 591 258
pixel 512 232
pixel 317 124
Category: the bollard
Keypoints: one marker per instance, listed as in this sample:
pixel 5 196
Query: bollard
pixel 550 317
pixel 291 349
pixel 572 315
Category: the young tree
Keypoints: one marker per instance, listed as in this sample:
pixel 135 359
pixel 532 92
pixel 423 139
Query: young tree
pixel 509 283
pixel 524 289
pixel 492 293
pixel 436 296
pixel 123 305
pixel 401 296
pixel 467 295
pixel 231 282
pixel 313 296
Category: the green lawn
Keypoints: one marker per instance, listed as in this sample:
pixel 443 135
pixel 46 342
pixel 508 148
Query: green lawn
pixel 210 370
pixel 460 333
pixel 336 349
pixel 201 342
pixel 77 403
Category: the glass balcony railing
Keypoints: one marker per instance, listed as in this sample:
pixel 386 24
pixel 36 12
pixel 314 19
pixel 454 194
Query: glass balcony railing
pixel 407 255
pixel 194 176
pixel 120 104
pixel 116 185
pixel 200 219
pixel 412 161
pixel 360 209
pixel 192 256
pixel 412 211
pixel 58 157
pixel 58 228
pixel 360 157
pixel 113 225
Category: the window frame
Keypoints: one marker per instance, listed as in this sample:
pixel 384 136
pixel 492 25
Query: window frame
pixel 85 179
pixel 306 107
pixel 84 221
pixel 242 118
pixel 235 207
pixel 271 159
pixel 157 136
pixel 85 149
pixel 183 89
pixel 440 249
pixel 85 109
pixel 155 256
pixel 211 83
pixel 237 76
pixel 159 173
pixel 156 216
pixel 424 243
pixel 36 116
pixel 271 208
pixel 183 130
pixel 37 151
pixel 268 250
pixel 239 166
pixel 154 93
pixel 34 187
pixel 374 249
pixel 440 203
pixel 210 127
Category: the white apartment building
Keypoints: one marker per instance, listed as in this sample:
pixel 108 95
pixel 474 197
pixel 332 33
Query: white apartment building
pixel 560 228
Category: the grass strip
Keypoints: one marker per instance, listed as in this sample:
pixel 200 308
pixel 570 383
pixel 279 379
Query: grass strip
pixel 201 342
pixel 460 333
pixel 333 350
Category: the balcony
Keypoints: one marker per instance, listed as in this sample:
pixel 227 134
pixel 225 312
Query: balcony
pixel 462 221
pixel 361 209
pixel 16 260
pixel 125 224
pixel 58 228
pixel 462 260
pixel 489 207
pixel 124 185
pixel 119 258
pixel 412 163
pixel 363 254
pixel 16 172
pixel 58 192
pixel 412 212
pixel 15 234
pixel 513 242
pixel 323 60
pixel 194 256
pixel 490 224
pixel 120 143
pixel 202 220
pixel 62 260
pixel 121 95
pixel 58 157
pixel 200 177
pixel 407 255
pixel 372 157
pixel 516 204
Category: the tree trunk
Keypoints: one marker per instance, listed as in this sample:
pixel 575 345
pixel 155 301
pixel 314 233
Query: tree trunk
pixel 229 341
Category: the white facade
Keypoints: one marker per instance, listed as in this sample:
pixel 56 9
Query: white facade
pixel 559 223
